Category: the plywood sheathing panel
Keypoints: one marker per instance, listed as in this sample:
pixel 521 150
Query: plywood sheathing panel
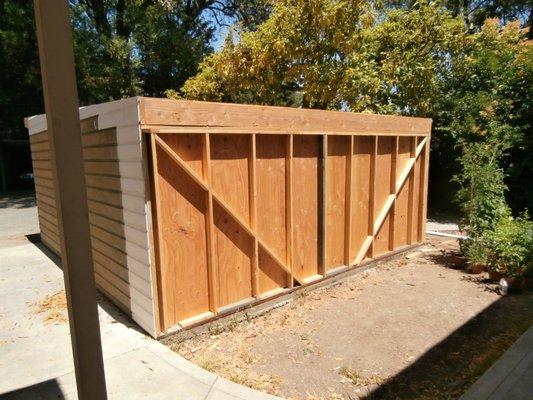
pixel 230 156
pixel 305 206
pixel 182 225
pixel 338 148
pixel 272 209
pixel 382 191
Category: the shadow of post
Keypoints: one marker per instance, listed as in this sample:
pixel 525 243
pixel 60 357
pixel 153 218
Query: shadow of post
pixel 43 390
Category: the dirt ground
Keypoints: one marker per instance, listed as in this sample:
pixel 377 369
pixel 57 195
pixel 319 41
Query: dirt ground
pixel 413 327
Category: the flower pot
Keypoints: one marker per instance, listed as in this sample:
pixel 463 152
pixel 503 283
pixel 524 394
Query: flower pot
pixel 495 276
pixel 457 261
pixel 476 268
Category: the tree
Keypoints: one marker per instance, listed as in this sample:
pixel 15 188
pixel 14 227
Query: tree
pixel 122 48
pixel 20 81
pixel 334 54
pixel 485 97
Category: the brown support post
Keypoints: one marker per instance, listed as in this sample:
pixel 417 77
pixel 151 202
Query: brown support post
pixel 322 204
pixel 61 101
pixel 393 178
pixel 372 195
pixel 288 206
pixel 411 199
pixel 348 204
pixel 210 231
pixel 424 176
pixel 253 214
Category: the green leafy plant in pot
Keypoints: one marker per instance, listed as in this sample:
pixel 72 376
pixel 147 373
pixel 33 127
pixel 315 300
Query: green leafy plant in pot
pixel 511 248
pixel 477 253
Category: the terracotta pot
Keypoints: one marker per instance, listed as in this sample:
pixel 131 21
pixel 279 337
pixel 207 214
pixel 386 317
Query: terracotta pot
pixel 476 268
pixel 457 261
pixel 495 276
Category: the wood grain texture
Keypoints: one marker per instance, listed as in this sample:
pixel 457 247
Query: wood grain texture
pixel 338 148
pixel 165 112
pixel 271 209
pixel 402 199
pixel 182 226
pixel 362 160
pixel 383 184
pixel 234 247
pixel 305 212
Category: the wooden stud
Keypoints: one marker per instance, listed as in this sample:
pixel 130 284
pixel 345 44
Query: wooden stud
pixel 372 195
pixel 348 203
pixel 252 168
pixel 210 229
pixel 424 176
pixel 289 218
pixel 411 200
pixel 392 218
pixel 322 203
pixel 156 210
pixel 152 230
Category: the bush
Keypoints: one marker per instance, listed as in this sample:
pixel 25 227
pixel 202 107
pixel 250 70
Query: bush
pixel 481 196
pixel 477 251
pixel 511 246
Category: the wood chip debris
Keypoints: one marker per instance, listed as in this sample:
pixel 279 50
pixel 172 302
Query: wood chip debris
pixel 54 308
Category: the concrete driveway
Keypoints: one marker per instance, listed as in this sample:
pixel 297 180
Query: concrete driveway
pixel 35 355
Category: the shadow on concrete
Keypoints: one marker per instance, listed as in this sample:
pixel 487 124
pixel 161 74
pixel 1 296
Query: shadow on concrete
pixel 449 368
pixel 40 391
pixel 22 199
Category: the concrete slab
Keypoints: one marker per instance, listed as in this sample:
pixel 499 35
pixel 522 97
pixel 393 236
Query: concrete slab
pixel 36 358
pixel 511 377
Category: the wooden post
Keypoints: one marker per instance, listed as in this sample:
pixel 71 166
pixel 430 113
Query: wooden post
pixel 61 101
pixel 348 204
pixel 372 195
pixel 322 203
pixel 252 168
pixel 288 206
pixel 393 178
pixel 210 228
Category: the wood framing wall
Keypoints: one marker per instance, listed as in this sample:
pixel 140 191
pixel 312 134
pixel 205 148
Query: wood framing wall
pixel 219 206
pixel 251 201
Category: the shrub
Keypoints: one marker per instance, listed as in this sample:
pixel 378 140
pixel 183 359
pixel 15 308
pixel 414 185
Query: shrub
pixel 477 251
pixel 481 196
pixel 511 246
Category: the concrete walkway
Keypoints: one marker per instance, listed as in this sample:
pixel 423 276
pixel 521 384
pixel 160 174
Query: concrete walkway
pixel 35 356
pixel 511 377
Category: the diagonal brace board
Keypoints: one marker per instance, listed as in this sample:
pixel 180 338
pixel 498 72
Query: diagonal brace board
pixel 192 174
pixel 388 203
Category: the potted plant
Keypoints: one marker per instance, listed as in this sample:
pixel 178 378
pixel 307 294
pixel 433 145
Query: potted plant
pixel 477 255
pixel 511 249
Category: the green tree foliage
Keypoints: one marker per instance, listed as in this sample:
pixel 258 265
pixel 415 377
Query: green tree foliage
pixel 122 48
pixel 418 61
pixel 333 54
pixel 485 97
pixel 20 81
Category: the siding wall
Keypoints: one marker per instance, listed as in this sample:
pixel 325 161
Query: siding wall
pixel 115 178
